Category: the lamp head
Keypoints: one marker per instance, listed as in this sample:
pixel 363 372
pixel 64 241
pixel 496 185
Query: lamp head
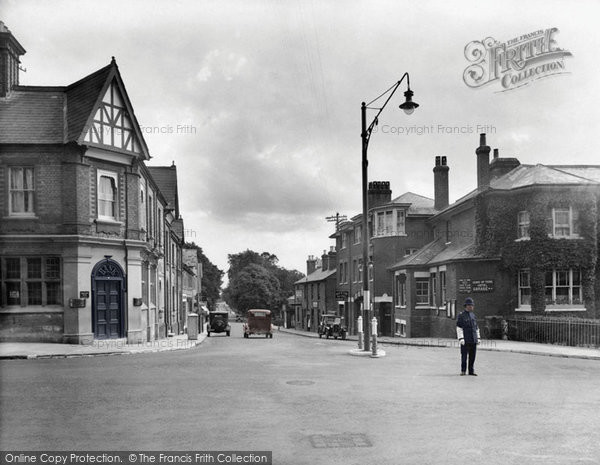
pixel 409 106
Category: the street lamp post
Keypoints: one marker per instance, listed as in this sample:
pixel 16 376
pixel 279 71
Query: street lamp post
pixel 408 106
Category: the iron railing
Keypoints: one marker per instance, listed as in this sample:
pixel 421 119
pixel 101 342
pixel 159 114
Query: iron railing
pixel 555 330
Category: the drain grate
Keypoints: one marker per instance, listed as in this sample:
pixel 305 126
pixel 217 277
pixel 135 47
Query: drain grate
pixel 346 440
pixel 300 382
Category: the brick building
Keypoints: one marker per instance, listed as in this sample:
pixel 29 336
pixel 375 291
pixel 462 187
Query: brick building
pixel 524 242
pixel 90 244
pixel 315 294
pixel 397 228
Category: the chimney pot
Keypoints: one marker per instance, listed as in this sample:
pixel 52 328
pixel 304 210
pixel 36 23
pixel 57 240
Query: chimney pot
pixel 437 161
pixel 482 140
pixel 496 154
pixel 443 161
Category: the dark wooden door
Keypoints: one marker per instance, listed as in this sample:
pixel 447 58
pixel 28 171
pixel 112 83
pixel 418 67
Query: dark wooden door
pixel 385 318
pixel 108 309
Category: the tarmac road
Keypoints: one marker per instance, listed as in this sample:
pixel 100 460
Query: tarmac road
pixel 309 402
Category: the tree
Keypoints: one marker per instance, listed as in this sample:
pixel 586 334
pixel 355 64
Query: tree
pixel 253 287
pixel 239 263
pixel 212 278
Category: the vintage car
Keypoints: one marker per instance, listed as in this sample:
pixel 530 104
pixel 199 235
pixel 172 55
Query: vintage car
pixel 258 321
pixel 218 322
pixel 331 326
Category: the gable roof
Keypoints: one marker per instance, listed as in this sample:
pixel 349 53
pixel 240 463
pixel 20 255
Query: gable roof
pixel 317 275
pixel 165 178
pixel 58 115
pixel 82 97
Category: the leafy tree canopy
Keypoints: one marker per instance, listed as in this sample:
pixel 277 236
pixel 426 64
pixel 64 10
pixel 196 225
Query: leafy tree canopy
pixel 256 281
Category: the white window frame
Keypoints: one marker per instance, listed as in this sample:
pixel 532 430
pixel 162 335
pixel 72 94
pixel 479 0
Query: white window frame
pixel 115 177
pixel 427 282
pixel 400 221
pixel 358 234
pixel 443 287
pixel 523 222
pixel 568 225
pixel 30 191
pixel 520 285
pixel 143 204
pixel 570 306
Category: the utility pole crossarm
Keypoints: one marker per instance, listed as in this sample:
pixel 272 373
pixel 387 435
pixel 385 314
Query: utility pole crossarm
pixel 337 219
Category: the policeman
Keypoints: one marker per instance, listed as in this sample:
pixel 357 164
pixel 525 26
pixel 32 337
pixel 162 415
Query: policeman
pixel 468 336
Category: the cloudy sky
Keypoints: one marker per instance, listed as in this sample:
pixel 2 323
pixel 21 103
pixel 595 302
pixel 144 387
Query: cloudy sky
pixel 258 102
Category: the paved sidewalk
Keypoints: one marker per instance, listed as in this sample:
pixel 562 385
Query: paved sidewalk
pixel 530 348
pixel 35 350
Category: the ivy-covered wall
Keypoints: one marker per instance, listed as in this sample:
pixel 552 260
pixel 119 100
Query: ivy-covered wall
pixel 496 220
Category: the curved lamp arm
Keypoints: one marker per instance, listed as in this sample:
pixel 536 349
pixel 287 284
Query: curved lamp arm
pixel 408 106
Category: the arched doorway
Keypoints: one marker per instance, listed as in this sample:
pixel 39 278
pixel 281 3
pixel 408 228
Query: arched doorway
pixel 108 289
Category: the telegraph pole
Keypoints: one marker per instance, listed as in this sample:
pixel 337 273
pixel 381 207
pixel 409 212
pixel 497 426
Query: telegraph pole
pixel 337 219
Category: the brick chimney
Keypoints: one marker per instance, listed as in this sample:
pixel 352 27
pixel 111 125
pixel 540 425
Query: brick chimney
pixel 379 193
pixel 311 265
pixel 10 51
pixel 483 163
pixel 440 183
pixel 501 166
pixel 325 261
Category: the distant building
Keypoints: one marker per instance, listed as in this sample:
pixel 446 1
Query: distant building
pixel 315 294
pixel 90 238
pixel 191 287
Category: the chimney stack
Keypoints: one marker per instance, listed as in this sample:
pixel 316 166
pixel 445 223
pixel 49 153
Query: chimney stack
pixel 483 163
pixel 500 166
pixel 440 183
pixel 379 193
pixel 10 51
pixel 325 261
pixel 311 265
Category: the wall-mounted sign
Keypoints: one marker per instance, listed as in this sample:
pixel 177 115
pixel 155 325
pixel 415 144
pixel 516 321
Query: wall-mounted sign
pixel 483 285
pixel 467 285
pixel 464 286
pixel 84 294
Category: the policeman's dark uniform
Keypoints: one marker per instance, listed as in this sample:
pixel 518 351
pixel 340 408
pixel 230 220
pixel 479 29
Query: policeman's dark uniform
pixel 467 332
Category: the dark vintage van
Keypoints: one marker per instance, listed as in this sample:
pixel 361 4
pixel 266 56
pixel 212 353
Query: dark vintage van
pixel 218 322
pixel 258 322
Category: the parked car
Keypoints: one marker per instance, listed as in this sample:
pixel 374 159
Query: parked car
pixel 258 321
pixel 331 326
pixel 218 322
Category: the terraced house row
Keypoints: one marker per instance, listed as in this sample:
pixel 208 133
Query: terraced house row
pixel 91 238
pixel 524 243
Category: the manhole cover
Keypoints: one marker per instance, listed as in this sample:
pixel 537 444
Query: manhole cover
pixel 300 382
pixel 329 441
